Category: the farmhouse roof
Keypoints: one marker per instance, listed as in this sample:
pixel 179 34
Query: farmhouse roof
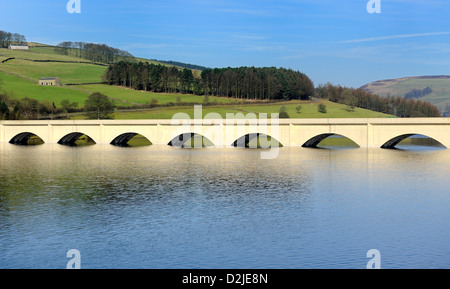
pixel 49 78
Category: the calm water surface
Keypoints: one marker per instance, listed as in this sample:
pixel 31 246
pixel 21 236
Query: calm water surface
pixel 159 207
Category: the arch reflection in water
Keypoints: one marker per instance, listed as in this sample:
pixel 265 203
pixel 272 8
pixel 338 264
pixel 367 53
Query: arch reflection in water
pixel 131 140
pixel 191 140
pixel 256 141
pixel 26 138
pixel 330 141
pixel 413 142
pixel 76 139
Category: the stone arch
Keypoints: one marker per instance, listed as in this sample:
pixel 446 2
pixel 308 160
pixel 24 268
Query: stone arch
pixel 191 140
pixel 123 139
pixel 262 141
pixel 392 143
pixel 26 138
pixel 315 141
pixel 71 139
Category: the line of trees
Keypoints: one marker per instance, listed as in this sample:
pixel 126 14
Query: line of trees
pixel 268 83
pixel 8 38
pixel 244 82
pixel 95 52
pixel 418 93
pixel 97 106
pixel 398 106
pixel 152 77
pixel 25 108
pixel 181 64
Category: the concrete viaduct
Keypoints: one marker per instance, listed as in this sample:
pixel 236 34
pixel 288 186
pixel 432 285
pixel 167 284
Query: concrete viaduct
pixel 367 133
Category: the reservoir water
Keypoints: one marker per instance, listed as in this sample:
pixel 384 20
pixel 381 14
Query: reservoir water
pixel 161 207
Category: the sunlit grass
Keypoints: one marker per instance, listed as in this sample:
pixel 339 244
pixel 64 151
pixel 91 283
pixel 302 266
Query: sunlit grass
pixel 337 141
pixel 84 140
pixel 35 140
pixel 138 141
pixel 309 110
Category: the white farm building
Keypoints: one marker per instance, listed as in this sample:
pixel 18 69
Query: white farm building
pixel 18 47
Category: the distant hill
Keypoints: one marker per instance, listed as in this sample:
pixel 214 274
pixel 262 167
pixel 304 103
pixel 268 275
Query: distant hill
pixel 433 89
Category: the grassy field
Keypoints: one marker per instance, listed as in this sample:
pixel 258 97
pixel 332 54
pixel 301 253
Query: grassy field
pixel 309 110
pixel 38 53
pixel 67 72
pixel 19 88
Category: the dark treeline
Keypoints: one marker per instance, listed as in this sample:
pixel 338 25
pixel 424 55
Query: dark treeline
pixel 243 82
pixel 418 93
pixel 181 64
pixel 398 106
pixel 152 77
pixel 257 83
pixel 8 38
pixel 90 51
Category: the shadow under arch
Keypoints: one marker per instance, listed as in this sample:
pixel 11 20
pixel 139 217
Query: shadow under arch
pixel 256 140
pixel 344 142
pixel 431 142
pixel 26 138
pixel 76 139
pixel 191 140
pixel 131 139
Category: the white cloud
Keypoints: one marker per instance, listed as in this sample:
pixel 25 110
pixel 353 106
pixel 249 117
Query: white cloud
pixel 390 37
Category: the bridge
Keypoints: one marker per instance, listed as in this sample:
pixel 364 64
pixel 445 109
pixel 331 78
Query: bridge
pixel 366 133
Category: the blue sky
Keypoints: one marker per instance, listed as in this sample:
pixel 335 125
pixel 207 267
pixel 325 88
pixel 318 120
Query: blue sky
pixel 329 40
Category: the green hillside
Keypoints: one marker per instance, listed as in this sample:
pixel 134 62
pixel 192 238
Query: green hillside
pixel 18 88
pixel 308 110
pixel 19 77
pixel 439 85
pixel 67 72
